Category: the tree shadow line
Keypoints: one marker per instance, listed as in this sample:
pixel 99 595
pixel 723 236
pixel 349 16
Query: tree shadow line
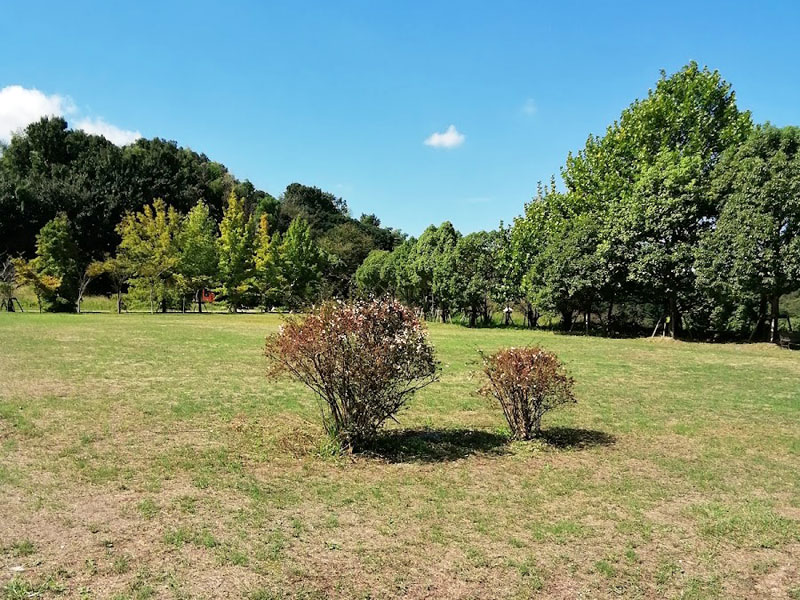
pixel 429 445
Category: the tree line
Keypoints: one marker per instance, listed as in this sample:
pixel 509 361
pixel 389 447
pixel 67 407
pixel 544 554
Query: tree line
pixel 168 260
pixel 79 212
pixel 683 215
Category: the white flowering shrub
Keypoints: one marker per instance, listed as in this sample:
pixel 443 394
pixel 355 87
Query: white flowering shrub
pixel 364 360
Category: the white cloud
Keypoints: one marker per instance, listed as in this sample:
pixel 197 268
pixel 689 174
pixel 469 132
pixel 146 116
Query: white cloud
pixel 529 108
pixel 19 107
pixel 112 133
pixel 449 139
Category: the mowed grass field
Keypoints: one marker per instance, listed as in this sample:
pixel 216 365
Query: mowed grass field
pixel 148 456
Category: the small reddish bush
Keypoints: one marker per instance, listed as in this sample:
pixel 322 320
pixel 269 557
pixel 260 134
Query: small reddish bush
pixel 527 382
pixel 364 360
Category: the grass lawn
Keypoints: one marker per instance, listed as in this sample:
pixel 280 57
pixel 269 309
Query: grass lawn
pixel 147 456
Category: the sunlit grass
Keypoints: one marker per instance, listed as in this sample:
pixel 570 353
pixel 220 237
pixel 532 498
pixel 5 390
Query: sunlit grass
pixel 148 454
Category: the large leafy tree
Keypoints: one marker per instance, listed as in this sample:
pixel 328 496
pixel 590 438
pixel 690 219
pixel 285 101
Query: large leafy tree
pixel 372 277
pixel 49 169
pixel 27 272
pixel 58 256
pixel 269 279
pixel 302 264
pixel 236 252
pixel 523 244
pixel 347 245
pixel 399 270
pixel 663 151
pixel 319 209
pixel 430 268
pixel 199 259
pixel 150 249
pixel 475 273
pixel 752 257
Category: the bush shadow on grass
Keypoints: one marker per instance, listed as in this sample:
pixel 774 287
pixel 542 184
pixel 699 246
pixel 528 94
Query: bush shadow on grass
pixel 570 438
pixel 442 445
pixel 435 445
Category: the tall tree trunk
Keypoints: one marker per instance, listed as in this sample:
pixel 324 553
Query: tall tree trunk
pixel 774 335
pixel 566 320
pixel 762 313
pixel 532 315
pixel 674 316
pixel 473 316
pixel 119 301
pixel 609 314
pixel 199 301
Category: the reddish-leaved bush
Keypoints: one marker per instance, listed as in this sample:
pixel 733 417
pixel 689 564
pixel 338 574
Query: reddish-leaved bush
pixel 363 359
pixel 527 382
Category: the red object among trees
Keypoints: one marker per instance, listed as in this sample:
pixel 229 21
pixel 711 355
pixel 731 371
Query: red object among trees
pixel 207 296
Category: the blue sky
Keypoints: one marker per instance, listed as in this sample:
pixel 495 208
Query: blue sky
pixel 343 95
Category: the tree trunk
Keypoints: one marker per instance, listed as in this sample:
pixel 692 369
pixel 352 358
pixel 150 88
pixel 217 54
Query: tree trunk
pixel 532 315
pixel 674 316
pixel 762 313
pixel 473 316
pixel 774 335
pixel 152 308
pixel 587 317
pixel 163 305
pixel 119 301
pixel 566 320
pixel 79 305
pixel 199 301
pixel 609 315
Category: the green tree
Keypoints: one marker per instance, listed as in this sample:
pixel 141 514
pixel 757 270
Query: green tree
pixel 430 269
pixel 372 277
pixel 520 250
pixel 753 254
pixel 268 276
pixel 476 273
pixel 236 252
pixel 321 210
pixel 302 263
pixel 655 165
pixel 400 268
pixel 58 256
pixel 199 259
pixel 150 247
pixel 348 245
pixel 568 270
pixel 29 273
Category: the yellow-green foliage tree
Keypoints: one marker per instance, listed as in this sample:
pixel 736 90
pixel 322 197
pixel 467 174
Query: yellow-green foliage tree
pixel 150 246
pixel 28 272
pixel 236 253
pixel 269 280
pixel 198 252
